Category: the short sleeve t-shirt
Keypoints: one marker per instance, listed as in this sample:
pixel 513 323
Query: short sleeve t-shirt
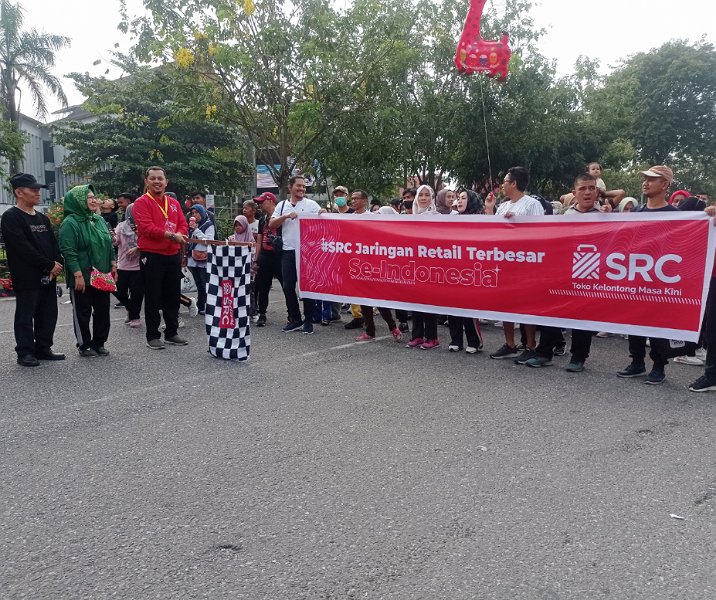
pixel 289 228
pixel 526 206
pixel 667 208
pixel 574 211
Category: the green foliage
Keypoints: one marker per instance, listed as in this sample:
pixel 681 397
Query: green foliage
pixel 12 143
pixel 368 94
pixel 26 56
pixel 153 117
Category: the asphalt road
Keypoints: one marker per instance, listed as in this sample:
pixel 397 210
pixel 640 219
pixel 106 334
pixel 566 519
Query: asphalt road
pixel 324 469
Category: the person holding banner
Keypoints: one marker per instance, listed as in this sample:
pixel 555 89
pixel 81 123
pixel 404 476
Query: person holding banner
pixel 468 203
pixel 707 382
pixel 425 325
pixel 655 187
pixel 284 216
pixel 517 203
pixel 585 202
pixel 161 230
pixel 359 202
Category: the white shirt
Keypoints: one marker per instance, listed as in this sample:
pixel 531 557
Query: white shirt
pixel 289 229
pixel 526 206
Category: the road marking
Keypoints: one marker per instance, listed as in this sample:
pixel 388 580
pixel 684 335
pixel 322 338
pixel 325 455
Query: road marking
pixel 342 347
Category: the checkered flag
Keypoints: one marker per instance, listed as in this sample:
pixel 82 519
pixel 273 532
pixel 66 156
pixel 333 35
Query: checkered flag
pixel 227 301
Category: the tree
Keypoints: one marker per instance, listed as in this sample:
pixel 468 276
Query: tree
pixel 663 103
pixel 26 56
pixel 286 84
pixel 152 117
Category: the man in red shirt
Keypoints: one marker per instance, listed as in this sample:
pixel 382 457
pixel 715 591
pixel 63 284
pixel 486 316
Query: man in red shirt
pixel 161 230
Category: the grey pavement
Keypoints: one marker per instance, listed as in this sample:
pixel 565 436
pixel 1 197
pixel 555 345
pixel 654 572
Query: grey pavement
pixel 324 469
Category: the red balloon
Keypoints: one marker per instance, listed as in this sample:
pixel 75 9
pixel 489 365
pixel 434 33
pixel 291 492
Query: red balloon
pixel 477 55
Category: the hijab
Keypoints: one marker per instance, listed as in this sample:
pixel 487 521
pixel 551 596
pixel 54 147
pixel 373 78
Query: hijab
pixel 692 203
pixel 246 236
pixel 627 200
pixel 129 215
pixel 678 193
pixel 92 227
pixel 441 202
pixel 202 213
pixel 430 210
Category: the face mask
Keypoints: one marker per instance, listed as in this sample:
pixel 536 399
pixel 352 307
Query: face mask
pixel 341 201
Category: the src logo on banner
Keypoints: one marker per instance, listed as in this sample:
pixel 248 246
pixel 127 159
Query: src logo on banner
pixel 587 260
pixel 585 265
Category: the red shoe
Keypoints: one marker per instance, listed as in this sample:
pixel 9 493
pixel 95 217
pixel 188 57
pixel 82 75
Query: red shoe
pixel 430 344
pixel 414 343
pixel 364 337
pixel 397 336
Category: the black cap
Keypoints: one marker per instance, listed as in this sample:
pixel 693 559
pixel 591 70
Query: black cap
pixel 27 181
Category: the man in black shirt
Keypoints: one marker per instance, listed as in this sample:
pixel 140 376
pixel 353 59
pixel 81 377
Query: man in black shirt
pixel 34 258
pixel 655 187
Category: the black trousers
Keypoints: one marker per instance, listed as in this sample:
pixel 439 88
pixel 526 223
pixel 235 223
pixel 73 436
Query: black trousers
pixel 370 321
pixel 552 336
pixel 92 304
pixel 401 315
pixel 201 279
pixel 710 332
pixel 162 288
pixel 456 325
pixel 425 326
pixel 130 292
pixel 269 267
pixel 290 278
pixel 35 319
pixel 637 350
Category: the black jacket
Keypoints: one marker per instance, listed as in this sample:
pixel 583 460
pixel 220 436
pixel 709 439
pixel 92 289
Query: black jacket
pixel 27 262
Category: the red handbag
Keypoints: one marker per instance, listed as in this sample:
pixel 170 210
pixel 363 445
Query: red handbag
pixel 103 282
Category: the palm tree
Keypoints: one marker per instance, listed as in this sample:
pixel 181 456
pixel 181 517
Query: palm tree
pixel 26 56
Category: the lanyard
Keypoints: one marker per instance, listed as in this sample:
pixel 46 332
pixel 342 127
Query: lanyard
pixel 165 210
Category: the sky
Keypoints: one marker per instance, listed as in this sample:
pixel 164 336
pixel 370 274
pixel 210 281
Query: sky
pixel 608 30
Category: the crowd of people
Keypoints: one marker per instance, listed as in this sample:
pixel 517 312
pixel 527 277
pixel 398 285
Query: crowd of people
pixel 155 240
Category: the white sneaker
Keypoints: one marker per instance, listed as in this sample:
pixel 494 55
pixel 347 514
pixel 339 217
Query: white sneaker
pixel 497 323
pixel 602 334
pixel 689 360
pixel 701 353
pixel 193 309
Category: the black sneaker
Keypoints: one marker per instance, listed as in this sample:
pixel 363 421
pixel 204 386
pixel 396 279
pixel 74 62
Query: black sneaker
pixel 403 327
pixel 102 351
pixel 354 324
pixel 633 370
pixel 655 377
pixel 262 321
pixel 505 352
pixel 525 356
pixel 292 326
pixel 560 349
pixel 703 384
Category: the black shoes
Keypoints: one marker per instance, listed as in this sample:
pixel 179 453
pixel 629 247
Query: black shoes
pixel 354 324
pixel 28 360
pixel 49 355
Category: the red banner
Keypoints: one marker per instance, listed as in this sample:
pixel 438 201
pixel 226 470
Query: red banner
pixel 227 319
pixel 641 274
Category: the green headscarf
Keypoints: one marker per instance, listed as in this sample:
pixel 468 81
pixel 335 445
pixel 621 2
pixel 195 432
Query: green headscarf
pixel 93 226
